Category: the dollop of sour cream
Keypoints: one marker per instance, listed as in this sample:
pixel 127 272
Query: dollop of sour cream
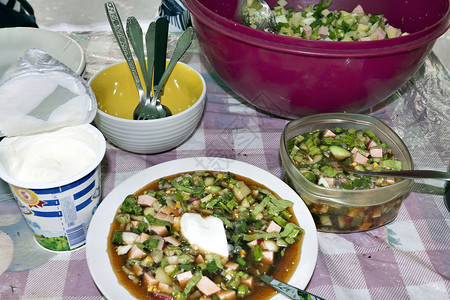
pixel 207 234
pixel 49 156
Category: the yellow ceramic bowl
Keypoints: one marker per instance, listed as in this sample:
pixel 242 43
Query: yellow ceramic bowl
pixel 117 98
pixel 117 95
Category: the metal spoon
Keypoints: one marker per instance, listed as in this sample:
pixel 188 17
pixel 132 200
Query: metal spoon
pixel 134 32
pixel 162 30
pixel 150 45
pixel 256 14
pixel 119 33
pixel 412 174
pixel 288 290
pixel 183 43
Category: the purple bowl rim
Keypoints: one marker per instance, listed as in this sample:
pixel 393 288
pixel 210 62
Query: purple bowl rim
pixel 286 44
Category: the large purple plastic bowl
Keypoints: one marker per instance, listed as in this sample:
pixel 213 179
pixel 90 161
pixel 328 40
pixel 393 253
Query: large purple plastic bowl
pixel 292 77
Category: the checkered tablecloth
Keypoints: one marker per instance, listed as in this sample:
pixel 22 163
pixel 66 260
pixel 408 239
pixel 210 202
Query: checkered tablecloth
pixel 406 259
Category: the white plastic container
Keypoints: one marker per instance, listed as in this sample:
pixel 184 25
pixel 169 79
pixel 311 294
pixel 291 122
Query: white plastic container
pixel 58 212
pixel 51 155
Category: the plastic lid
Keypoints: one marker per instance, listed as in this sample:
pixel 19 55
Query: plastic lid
pixel 39 94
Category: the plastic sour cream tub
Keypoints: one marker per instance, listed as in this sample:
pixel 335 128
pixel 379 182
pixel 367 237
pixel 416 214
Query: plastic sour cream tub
pixel 55 178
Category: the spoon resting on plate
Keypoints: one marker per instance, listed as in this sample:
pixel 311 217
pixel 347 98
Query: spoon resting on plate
pixel 288 290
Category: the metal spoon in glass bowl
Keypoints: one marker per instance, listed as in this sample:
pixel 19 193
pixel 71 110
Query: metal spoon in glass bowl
pixel 411 174
pixel 256 14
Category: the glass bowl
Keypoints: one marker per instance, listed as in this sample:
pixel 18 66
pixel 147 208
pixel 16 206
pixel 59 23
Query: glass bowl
pixel 345 211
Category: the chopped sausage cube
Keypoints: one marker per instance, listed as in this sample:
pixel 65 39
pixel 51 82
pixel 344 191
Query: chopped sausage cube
pixel 184 277
pixel 136 253
pixel 273 227
pixel 207 286
pixel 146 200
pixel 226 295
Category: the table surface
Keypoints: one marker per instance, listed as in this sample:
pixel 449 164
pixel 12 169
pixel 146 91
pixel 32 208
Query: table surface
pixel 407 259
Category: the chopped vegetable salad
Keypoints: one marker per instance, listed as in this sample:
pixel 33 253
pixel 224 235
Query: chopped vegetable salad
pixel 152 233
pixel 316 22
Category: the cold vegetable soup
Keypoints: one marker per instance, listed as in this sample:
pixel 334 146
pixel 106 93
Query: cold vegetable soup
pixel 203 235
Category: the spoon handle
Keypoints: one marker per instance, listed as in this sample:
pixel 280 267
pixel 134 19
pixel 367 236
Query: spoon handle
pixel 119 33
pixel 288 290
pixel 414 174
pixel 134 32
pixel 162 30
pixel 183 43
pixel 150 46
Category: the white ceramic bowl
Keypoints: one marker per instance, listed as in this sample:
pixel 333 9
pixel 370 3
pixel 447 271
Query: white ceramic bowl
pixel 20 39
pixel 96 251
pixel 117 97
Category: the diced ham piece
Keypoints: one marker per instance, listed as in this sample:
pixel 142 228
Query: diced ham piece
pixel 359 158
pixel 329 134
pixel 378 34
pixel 137 269
pixel 165 288
pixel 267 257
pixel 376 151
pixel 184 277
pixel 331 181
pixel 207 286
pixel 354 150
pixel 143 237
pixel 307 30
pixel 146 200
pixel 232 265
pixel 172 240
pixel 323 31
pixel 371 144
pixel 164 217
pixel 159 230
pixel 150 280
pixel 358 10
pixel 136 253
pixel 394 30
pixel 366 38
pixel 273 227
pixel 199 259
pixel 170 210
pixel 249 281
pixel 226 295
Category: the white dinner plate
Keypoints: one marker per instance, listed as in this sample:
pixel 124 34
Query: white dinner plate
pixel 96 243
pixel 15 41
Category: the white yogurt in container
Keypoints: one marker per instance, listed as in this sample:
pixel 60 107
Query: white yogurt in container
pixel 51 156
pixel 55 178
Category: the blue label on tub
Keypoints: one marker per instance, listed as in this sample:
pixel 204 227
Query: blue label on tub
pixel 59 217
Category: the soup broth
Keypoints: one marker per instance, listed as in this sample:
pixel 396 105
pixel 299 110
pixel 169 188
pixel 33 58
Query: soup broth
pixel 253 236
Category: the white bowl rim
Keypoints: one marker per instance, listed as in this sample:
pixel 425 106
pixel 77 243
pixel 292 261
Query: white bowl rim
pixel 79 69
pixel 199 102
pixel 53 184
